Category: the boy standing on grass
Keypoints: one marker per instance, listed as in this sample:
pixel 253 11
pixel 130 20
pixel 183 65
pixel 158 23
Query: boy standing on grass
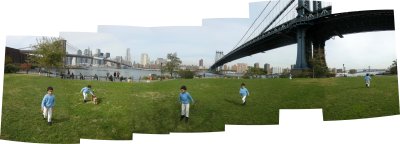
pixel 85 91
pixel 48 104
pixel 244 93
pixel 185 98
pixel 367 79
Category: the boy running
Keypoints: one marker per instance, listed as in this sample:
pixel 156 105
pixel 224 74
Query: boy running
pixel 47 105
pixel 244 93
pixel 185 98
pixel 367 79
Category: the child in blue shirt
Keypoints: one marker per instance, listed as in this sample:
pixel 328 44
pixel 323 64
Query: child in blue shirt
pixel 367 79
pixel 85 91
pixel 244 93
pixel 185 99
pixel 47 105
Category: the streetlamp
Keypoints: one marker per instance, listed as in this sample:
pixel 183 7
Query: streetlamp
pixel 161 69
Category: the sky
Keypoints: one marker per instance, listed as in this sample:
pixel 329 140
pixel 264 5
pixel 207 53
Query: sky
pixel 221 33
pixel 99 19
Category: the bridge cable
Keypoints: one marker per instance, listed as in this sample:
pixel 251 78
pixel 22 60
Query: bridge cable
pixel 278 15
pixel 252 25
pixel 262 20
pixel 285 15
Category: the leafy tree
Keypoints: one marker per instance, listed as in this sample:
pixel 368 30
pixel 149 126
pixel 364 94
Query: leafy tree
pixel 254 72
pixel 393 67
pixel 49 53
pixel 172 64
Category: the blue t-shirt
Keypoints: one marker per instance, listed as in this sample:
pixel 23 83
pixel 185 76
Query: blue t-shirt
pixel 367 78
pixel 243 91
pixel 48 101
pixel 86 90
pixel 185 98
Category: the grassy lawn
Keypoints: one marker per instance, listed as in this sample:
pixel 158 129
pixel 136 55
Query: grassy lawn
pixel 154 108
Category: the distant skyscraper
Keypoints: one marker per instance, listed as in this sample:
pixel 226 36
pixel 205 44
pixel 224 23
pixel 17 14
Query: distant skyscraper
pixel 97 54
pixel 128 55
pixel 201 62
pixel 257 65
pixel 145 60
pixel 108 55
pixel 267 68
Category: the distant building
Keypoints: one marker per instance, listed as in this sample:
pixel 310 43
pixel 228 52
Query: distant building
pixel 144 59
pixel 234 68
pixel 128 58
pixel 16 56
pixel 226 67
pixel 201 62
pixel 257 65
pixel 108 55
pixel 276 70
pixel 241 68
pixel 267 68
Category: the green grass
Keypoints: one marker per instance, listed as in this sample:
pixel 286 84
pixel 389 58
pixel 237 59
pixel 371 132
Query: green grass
pixel 154 108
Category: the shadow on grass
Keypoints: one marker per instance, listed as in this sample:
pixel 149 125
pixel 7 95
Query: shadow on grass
pixel 233 102
pixel 60 120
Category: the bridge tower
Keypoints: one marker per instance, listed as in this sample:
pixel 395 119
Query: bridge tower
pixel 307 45
pixel 303 42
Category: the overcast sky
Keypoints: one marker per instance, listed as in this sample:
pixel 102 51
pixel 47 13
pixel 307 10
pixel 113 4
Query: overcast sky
pixel 192 43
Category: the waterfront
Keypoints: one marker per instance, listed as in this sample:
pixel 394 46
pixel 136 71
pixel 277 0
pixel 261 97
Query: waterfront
pixel 134 74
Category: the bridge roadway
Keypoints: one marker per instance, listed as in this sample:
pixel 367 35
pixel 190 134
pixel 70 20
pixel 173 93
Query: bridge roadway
pixel 84 56
pixel 319 28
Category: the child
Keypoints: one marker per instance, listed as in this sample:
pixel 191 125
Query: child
pixel 367 79
pixel 244 93
pixel 86 91
pixel 47 105
pixel 185 98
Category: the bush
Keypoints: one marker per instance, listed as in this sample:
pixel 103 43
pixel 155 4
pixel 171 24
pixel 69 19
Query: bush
pixel 186 74
pixel 11 68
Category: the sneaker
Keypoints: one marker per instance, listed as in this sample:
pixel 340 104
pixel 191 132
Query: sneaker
pixel 187 119
pixel 182 116
pixel 49 123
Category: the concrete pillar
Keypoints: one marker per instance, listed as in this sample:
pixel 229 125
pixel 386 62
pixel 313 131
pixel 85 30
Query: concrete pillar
pixel 303 47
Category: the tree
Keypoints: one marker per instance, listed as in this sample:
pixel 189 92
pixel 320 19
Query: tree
pixel 173 63
pixel 49 53
pixel 252 71
pixel 393 67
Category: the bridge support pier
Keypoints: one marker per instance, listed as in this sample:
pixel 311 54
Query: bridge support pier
pixel 303 49
pixel 319 52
